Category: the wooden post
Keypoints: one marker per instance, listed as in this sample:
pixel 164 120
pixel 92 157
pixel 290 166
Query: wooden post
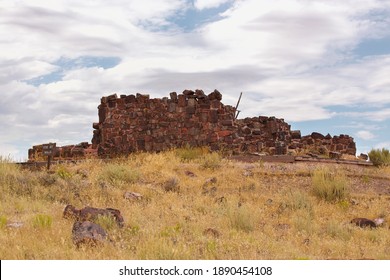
pixel 48 150
pixel 235 109
pixel 48 162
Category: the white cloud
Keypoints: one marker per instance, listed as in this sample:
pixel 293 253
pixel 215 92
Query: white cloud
pixel 207 4
pixel 365 135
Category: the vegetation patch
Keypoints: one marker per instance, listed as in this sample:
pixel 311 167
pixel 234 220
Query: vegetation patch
pixel 329 186
pixel 114 173
pixel 42 221
pixel 380 157
pixel 3 222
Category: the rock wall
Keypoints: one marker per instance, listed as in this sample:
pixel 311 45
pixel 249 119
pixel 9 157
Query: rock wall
pixel 131 123
pixel 79 151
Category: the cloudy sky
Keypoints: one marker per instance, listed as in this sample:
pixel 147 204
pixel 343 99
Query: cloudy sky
pixel 322 65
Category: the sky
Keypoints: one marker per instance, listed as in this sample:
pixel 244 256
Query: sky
pixel 321 65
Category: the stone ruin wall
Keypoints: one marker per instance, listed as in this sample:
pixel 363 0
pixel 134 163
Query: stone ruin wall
pixel 80 151
pixel 131 123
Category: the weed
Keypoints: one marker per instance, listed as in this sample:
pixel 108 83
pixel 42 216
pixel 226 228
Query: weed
pixel 241 219
pixel 106 222
pixel 298 200
pixel 211 161
pixel 42 221
pixel 303 221
pixel 3 222
pixel 344 204
pixel 328 186
pixel 171 230
pixel 171 185
pixel 134 230
pixel 63 172
pixel 335 230
pixel 187 153
pixel 114 173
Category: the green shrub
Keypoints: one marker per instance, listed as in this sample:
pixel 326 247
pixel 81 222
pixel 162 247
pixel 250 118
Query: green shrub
pixel 3 222
pixel 117 172
pixel 42 221
pixel 106 222
pixel 63 173
pixel 380 157
pixel 328 186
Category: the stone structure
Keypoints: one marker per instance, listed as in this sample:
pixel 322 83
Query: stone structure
pixel 131 123
pixel 74 152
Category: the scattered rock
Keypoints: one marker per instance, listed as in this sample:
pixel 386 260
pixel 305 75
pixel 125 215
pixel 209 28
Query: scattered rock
pixel 190 173
pixel 91 214
pixel 283 227
pixel 132 196
pixel 88 233
pixel 363 157
pixel 221 200
pixel 15 224
pixel 269 201
pixel 354 202
pixel 211 180
pixel 210 191
pixel 363 222
pixel 248 173
pixel 212 232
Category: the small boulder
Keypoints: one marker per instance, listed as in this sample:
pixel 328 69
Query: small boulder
pixel 190 173
pixel 363 222
pixel 91 214
pixel 132 196
pixel 88 233
pixel 211 232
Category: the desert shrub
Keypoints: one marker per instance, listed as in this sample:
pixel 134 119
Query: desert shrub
pixel 188 153
pixel 8 170
pixel 63 172
pixel 171 185
pixel 42 221
pixel 328 186
pixel 211 161
pixel 380 157
pixel 298 200
pixel 336 230
pixel 303 221
pixel 117 172
pixel 241 219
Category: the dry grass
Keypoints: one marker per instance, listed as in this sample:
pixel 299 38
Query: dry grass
pixel 247 211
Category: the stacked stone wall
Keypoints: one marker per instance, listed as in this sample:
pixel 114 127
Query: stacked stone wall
pixel 80 151
pixel 131 123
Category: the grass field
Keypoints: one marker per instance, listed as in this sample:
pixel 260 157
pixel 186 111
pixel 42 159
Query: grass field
pixel 197 205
